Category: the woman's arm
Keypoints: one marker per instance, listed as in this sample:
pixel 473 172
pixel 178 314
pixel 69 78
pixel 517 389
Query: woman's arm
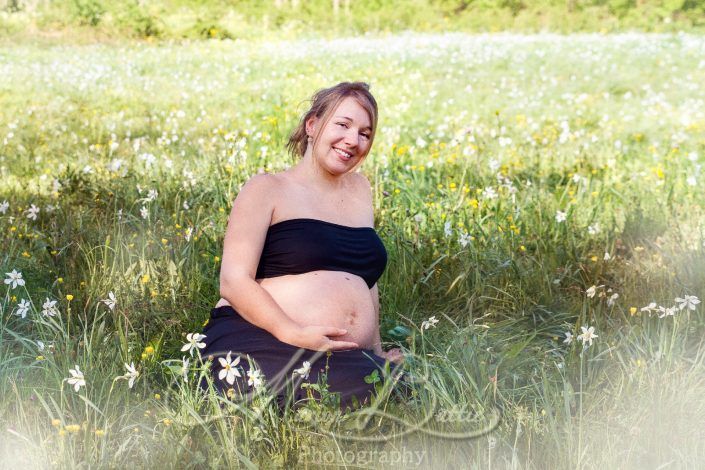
pixel 244 239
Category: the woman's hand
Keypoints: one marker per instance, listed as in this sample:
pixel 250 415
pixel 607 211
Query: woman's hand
pixel 393 355
pixel 317 338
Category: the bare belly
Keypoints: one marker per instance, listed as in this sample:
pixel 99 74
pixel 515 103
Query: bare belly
pixel 326 298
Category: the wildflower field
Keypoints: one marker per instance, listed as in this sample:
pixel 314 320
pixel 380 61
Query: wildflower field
pixel 540 197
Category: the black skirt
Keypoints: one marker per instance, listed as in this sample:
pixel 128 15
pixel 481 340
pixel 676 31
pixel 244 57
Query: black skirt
pixel 343 371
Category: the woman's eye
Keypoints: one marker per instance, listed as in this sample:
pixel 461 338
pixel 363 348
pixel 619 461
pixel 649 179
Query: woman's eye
pixel 342 124
pixel 366 136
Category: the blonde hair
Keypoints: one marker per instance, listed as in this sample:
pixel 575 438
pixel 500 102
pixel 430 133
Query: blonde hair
pixel 323 103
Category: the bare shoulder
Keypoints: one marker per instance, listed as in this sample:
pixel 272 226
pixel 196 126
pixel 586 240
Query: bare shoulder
pixel 362 184
pixel 261 182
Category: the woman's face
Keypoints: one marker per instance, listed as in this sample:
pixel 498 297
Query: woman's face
pixel 345 140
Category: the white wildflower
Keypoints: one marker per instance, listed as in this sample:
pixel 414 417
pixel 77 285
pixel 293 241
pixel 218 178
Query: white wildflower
pixel 22 308
pixel 4 206
pixel 304 370
pixel 489 193
pixel 607 257
pixel 430 323
pixel 186 206
pixel 77 378
pixel 650 308
pixel 32 212
pixel 229 368
pixel 447 230
pixel 594 229
pixel 464 239
pixel 568 337
pixel 14 278
pixel 132 374
pixel 667 312
pixel 194 343
pixel 254 377
pixel 49 308
pixel 560 216
pixel 591 291
pixel 587 335
pixel 612 299
pixel 115 165
pixel 144 212
pixel 688 301
pixel 111 301
pixel 152 195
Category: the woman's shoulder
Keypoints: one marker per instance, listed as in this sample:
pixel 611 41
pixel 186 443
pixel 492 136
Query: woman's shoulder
pixel 361 183
pixel 261 182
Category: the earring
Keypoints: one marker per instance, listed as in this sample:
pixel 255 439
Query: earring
pixel 309 139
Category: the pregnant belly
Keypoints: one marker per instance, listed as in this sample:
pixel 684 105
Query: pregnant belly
pixel 326 298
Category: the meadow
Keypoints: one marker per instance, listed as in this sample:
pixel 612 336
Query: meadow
pixel 540 198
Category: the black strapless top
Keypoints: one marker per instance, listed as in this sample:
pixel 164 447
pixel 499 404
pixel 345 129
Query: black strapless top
pixel 298 246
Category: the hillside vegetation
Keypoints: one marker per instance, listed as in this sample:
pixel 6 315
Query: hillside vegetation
pixel 177 19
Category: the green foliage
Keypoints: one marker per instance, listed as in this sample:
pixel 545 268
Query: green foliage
pixel 88 12
pixel 252 19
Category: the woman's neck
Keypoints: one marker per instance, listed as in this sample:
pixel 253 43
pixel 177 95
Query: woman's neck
pixel 313 175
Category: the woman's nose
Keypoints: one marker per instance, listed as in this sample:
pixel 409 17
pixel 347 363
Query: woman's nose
pixel 351 138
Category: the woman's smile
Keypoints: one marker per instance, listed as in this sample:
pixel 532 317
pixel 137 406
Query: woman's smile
pixel 343 154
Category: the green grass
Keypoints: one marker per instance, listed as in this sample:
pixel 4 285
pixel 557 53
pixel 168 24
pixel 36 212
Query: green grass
pixel 609 130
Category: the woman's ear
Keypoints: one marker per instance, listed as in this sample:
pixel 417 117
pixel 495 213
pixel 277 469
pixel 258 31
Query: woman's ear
pixel 311 124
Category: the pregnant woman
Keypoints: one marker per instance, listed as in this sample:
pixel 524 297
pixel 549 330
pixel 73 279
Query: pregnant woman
pixel 301 261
